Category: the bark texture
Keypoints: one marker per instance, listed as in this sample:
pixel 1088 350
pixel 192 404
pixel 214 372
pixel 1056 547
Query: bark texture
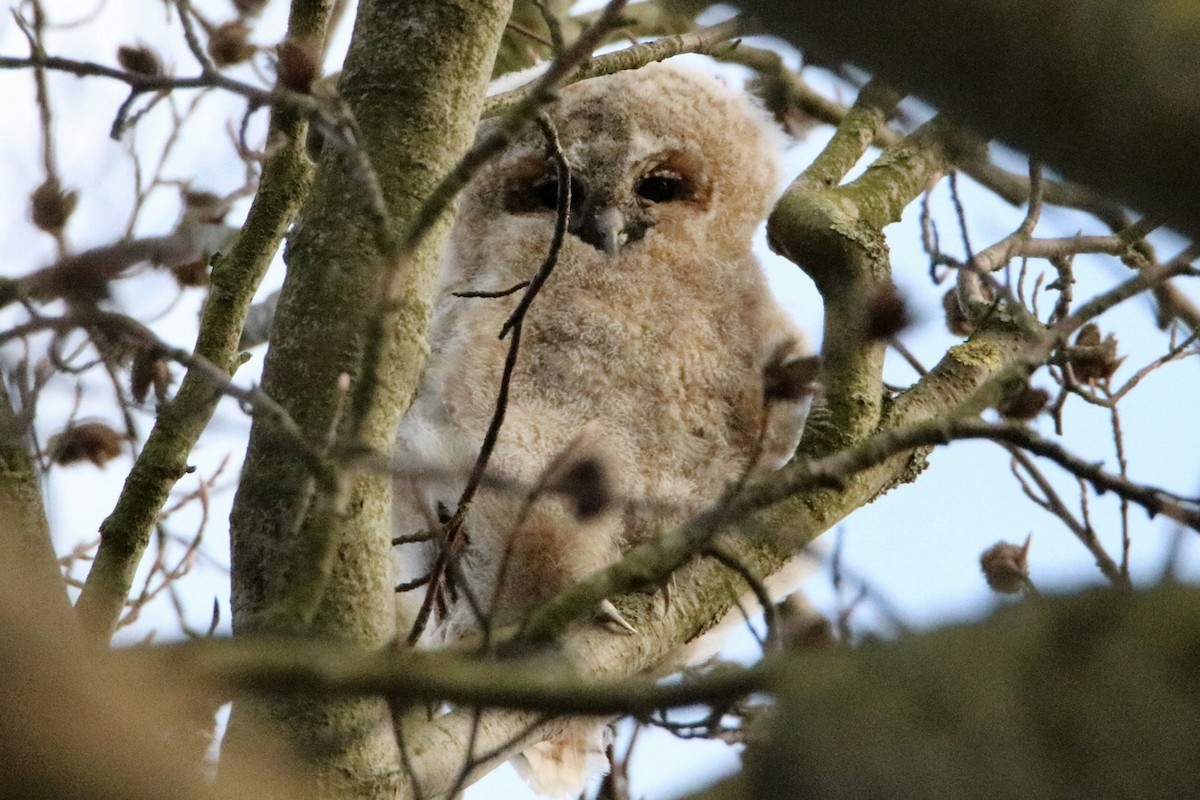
pixel 414 80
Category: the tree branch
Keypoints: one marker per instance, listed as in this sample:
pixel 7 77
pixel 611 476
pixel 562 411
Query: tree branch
pixel 705 40
pixel 125 533
pixel 280 666
pixel 25 545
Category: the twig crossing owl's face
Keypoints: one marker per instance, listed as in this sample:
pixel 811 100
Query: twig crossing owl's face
pixel 620 186
pixel 658 157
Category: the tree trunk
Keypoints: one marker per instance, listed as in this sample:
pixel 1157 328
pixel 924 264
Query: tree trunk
pixel 414 80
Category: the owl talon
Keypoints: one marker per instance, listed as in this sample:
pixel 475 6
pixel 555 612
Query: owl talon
pixel 666 590
pixel 607 612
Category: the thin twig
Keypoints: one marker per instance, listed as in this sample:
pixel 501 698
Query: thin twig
pixel 1051 502
pixel 729 560
pixel 705 40
pixel 1123 470
pixel 452 541
pixel 469 762
pixel 499 293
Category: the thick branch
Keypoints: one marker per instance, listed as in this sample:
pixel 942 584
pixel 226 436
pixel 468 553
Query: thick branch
pixel 834 233
pixel 284 666
pixel 25 544
pixel 786 90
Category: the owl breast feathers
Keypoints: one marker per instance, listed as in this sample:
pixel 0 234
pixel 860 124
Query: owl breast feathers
pixel 642 357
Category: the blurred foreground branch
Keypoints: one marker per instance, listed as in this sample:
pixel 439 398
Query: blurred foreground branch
pixel 1110 105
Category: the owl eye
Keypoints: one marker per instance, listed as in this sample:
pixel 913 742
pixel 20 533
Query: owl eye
pixel 661 187
pixel 542 195
pixel 546 193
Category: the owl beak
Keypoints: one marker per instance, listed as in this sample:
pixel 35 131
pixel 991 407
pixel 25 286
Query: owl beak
pixel 603 229
pixel 610 224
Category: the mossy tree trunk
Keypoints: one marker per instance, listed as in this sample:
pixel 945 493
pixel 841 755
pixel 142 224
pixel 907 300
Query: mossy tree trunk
pixel 414 79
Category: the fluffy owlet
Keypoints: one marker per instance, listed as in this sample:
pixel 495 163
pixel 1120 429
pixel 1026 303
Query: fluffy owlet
pixel 642 360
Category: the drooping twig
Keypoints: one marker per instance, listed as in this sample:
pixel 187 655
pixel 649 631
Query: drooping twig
pixel 452 540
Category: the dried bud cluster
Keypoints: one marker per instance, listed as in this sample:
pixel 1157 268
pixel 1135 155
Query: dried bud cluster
pixel 586 484
pixel 297 64
pixel 86 441
pixel 1093 360
pixel 149 369
pixel 77 279
pixel 803 627
pixel 51 206
pixel 789 380
pixel 249 8
pixel 778 96
pixel 230 44
pixel 956 321
pixel 192 274
pixel 140 59
pixel 886 314
pixel 205 206
pixel 115 343
pixel 1006 566
pixel 1024 405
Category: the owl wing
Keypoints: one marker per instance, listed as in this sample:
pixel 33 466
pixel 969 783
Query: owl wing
pixel 789 377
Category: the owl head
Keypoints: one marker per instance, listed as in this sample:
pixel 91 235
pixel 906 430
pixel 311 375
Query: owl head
pixel 662 158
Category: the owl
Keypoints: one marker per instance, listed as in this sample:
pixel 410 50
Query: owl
pixel 641 364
